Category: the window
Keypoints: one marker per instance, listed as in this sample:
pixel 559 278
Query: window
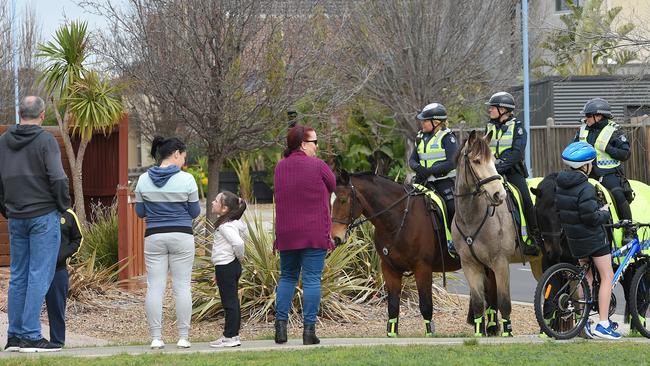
pixel 561 6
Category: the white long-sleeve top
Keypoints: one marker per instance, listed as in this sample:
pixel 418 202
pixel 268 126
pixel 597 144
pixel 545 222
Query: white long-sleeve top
pixel 228 242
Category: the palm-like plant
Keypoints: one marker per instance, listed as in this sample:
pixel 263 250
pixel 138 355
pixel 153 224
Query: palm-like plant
pixel 88 102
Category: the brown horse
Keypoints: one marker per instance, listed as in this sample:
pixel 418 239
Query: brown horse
pixel 484 234
pixel 404 236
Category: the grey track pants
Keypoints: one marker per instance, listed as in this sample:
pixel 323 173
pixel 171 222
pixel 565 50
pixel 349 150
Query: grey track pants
pixel 173 252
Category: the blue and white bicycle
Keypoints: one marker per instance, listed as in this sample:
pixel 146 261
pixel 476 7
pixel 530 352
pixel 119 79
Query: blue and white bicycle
pixel 564 302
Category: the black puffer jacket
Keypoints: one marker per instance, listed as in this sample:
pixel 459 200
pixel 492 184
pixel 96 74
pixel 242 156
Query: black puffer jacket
pixel 581 219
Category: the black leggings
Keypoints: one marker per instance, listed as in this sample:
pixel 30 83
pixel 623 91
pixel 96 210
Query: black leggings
pixel 613 183
pixel 228 284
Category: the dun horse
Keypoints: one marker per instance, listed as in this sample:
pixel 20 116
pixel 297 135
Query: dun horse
pixel 404 237
pixel 484 234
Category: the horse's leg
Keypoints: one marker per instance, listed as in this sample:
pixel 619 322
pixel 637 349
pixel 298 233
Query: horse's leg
pixel 492 302
pixel 502 277
pixel 393 281
pixel 475 275
pixel 423 279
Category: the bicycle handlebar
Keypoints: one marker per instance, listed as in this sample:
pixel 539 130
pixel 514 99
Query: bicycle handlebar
pixel 626 223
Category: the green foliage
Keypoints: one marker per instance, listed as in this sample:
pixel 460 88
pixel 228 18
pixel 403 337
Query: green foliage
pixel 587 45
pixel 100 237
pixel 346 278
pixel 369 141
pixel 242 166
pixel 89 101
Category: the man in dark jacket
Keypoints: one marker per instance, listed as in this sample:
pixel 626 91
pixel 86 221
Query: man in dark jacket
pixel 55 299
pixel 33 193
pixel 582 220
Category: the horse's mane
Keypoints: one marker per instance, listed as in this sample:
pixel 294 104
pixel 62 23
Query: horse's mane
pixel 546 189
pixel 478 149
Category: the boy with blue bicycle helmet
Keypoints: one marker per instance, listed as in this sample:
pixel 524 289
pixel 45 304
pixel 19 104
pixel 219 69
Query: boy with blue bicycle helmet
pixel 582 220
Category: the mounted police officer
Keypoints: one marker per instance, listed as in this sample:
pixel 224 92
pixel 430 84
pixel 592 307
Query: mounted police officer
pixel 508 145
pixel 433 156
pixel 612 147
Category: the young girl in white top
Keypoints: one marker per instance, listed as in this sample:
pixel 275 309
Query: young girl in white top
pixel 227 255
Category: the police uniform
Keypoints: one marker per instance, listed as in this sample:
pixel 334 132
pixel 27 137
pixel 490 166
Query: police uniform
pixel 435 153
pixel 612 147
pixel 508 145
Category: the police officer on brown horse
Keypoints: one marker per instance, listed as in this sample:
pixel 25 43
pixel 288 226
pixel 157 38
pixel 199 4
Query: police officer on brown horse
pixel 508 144
pixel 612 147
pixel 433 156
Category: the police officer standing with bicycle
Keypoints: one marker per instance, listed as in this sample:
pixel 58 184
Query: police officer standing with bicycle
pixel 508 144
pixel 612 148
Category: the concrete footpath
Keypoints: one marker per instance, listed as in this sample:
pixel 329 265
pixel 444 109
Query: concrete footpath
pixel 292 345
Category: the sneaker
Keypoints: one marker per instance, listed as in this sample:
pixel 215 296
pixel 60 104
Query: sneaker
pixel 226 342
pixel 183 343
pixel 606 333
pixel 157 344
pixel 39 345
pixel 13 344
pixel 588 329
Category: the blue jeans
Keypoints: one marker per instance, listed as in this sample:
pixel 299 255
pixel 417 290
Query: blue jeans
pixel 34 245
pixel 311 262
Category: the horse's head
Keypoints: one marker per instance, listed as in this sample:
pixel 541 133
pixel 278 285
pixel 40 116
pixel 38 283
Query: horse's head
pixel 547 217
pixel 346 208
pixel 476 172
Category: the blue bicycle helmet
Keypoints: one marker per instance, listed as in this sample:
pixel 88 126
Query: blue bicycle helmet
pixel 578 154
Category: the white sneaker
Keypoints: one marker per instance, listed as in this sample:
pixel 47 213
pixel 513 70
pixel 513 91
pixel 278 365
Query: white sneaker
pixel 183 343
pixel 157 344
pixel 226 342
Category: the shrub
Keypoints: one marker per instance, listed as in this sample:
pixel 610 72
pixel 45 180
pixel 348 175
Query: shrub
pixel 100 237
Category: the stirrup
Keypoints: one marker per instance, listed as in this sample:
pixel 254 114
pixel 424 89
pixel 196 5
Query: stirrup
pixel 452 249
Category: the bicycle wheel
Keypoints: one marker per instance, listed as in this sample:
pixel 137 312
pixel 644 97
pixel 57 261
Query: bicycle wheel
pixel 640 300
pixel 561 301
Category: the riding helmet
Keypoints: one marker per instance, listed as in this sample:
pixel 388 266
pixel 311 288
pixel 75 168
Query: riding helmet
pixel 502 99
pixel 597 106
pixel 433 111
pixel 578 154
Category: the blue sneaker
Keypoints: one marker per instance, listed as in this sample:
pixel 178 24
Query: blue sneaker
pixel 588 329
pixel 606 333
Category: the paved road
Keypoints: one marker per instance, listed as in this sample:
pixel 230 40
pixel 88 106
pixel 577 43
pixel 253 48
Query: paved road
pixel 522 286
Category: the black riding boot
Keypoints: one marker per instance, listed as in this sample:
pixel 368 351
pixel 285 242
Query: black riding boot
pixel 280 331
pixel 309 335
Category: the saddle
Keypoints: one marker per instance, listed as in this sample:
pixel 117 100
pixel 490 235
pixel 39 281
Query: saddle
pixel 436 204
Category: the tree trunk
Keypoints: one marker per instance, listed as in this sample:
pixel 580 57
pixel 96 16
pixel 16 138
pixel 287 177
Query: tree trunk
pixel 215 160
pixel 75 163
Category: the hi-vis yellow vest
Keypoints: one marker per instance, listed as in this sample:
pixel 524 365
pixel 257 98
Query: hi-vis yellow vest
pixel 432 151
pixel 501 141
pixel 603 159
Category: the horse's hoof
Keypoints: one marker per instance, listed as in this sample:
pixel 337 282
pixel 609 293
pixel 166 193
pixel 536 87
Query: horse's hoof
pixel 391 335
pixel 428 335
pixel 506 334
pixel 478 335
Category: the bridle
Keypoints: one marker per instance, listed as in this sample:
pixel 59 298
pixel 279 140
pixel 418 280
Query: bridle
pixel 351 223
pixel 478 190
pixel 478 183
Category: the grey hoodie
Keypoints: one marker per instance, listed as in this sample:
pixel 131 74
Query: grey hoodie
pixel 32 180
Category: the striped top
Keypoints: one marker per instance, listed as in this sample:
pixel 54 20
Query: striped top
pixel 168 198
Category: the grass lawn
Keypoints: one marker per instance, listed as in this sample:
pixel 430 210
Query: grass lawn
pixel 587 353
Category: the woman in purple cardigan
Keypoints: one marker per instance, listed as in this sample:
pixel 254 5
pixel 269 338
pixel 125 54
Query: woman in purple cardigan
pixel 303 185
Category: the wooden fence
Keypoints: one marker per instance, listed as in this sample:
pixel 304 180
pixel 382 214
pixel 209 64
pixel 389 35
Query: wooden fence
pixel 547 143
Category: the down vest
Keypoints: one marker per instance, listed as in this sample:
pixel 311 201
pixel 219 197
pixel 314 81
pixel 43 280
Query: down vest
pixel 575 199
